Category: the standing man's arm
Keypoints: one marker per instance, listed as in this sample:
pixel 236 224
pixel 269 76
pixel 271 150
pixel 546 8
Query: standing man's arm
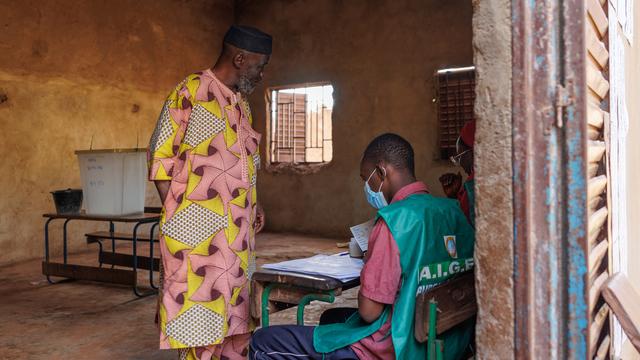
pixel 163 188
pixel 166 138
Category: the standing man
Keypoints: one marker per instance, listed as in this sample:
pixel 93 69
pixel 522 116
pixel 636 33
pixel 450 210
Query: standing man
pixel 203 158
pixel 452 183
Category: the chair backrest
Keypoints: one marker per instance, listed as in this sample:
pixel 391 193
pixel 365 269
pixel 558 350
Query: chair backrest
pixel 456 303
pixel 624 301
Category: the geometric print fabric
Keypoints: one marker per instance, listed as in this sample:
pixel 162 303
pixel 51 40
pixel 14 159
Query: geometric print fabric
pixel 194 225
pixel 202 126
pixel 204 153
pixel 163 131
pixel 197 326
pixel 256 161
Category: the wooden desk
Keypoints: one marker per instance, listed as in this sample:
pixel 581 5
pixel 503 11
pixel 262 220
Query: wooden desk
pixel 279 290
pixel 92 273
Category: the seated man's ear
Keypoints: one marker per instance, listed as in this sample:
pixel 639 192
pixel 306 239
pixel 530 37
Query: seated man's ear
pixel 382 170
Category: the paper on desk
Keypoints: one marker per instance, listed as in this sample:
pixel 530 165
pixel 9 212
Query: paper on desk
pixel 341 267
pixel 361 233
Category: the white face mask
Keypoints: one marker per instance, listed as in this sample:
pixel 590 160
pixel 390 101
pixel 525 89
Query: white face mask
pixel 375 199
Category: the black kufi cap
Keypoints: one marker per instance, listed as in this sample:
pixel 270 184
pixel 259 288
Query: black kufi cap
pixel 248 38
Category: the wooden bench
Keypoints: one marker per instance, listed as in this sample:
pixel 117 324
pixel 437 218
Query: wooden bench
pixel 97 236
pixel 135 262
pixel 452 303
pixel 152 209
pixel 118 259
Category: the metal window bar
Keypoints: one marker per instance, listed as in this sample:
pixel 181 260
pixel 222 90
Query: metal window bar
pixel 455 96
pixel 274 126
pixel 299 146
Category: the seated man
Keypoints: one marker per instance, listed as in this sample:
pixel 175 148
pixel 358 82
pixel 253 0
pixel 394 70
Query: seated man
pixel 418 241
pixel 452 183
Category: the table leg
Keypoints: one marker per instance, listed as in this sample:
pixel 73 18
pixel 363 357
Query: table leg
pixel 135 262
pixel 431 340
pixel 112 229
pixel 47 254
pixel 439 349
pixel 99 253
pixel 46 246
pixel 264 318
pixel 135 259
pixel 328 298
pixel 64 241
pixel 151 243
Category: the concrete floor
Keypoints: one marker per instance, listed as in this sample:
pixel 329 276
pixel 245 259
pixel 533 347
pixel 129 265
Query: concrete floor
pixel 84 320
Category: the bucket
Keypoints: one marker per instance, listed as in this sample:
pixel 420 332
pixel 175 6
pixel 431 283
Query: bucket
pixel 67 201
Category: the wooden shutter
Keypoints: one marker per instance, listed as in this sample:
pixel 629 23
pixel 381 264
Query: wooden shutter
pixel 318 137
pixel 455 97
pixel 289 132
pixel 597 65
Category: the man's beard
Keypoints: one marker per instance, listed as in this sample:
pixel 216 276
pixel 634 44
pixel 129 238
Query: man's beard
pixel 245 85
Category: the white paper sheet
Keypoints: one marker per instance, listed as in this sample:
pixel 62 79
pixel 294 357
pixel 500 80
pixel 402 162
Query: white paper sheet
pixel 341 266
pixel 361 233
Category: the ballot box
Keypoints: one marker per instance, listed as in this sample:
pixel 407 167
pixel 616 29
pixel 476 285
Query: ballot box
pixel 113 180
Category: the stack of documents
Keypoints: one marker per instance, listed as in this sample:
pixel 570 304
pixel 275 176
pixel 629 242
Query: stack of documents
pixel 341 266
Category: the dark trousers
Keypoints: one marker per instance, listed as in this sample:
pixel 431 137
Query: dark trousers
pixel 296 342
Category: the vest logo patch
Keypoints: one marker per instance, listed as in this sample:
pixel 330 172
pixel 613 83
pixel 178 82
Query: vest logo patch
pixel 450 245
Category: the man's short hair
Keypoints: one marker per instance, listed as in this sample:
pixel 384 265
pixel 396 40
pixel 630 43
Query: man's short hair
pixel 393 149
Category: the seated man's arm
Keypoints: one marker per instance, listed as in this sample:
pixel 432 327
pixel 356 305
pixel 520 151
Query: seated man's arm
pixel 369 310
pixel 380 276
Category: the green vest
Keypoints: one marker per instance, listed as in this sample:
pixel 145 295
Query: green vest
pixel 435 242
pixel 471 195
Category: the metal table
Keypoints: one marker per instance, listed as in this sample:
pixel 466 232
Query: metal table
pixel 279 290
pixel 103 274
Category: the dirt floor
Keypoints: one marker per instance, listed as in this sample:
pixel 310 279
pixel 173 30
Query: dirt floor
pixel 84 320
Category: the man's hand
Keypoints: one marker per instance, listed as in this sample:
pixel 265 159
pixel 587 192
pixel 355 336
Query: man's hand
pixel 260 219
pixel 451 184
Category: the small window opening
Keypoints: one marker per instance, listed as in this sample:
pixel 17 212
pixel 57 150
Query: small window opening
pixel 455 96
pixel 300 129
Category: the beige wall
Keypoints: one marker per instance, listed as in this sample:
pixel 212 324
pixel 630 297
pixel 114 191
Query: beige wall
pixel 632 84
pixel 73 69
pixel 380 57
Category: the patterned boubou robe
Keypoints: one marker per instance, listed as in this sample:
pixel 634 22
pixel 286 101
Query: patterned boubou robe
pixel 205 145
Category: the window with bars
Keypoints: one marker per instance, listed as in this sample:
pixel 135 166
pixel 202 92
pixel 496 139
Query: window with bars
pixel 455 95
pixel 300 124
